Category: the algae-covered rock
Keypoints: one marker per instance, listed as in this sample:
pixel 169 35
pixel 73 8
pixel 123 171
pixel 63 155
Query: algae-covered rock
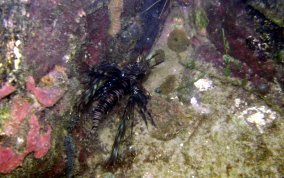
pixel 207 124
pixel 168 85
pixel 29 140
pixel 273 10
pixel 200 18
pixel 178 41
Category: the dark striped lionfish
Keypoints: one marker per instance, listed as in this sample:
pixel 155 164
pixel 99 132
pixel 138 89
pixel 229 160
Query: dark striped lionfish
pixel 108 85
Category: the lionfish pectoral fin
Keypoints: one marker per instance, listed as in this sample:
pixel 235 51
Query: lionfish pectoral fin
pixel 142 100
pixel 142 113
pixel 151 119
pixel 112 161
pixel 121 131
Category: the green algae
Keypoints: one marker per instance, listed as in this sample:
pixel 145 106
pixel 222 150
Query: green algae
pixel 227 58
pixel 190 65
pixel 200 18
pixel 4 112
pixel 4 116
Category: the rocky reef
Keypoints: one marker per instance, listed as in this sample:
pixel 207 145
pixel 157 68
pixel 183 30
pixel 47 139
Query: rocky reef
pixel 45 47
pixel 259 41
pixel 216 87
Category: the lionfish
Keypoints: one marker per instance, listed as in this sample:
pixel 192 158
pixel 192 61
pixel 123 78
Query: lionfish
pixel 107 86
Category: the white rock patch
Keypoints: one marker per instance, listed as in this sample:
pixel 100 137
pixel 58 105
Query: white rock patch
pixel 259 116
pixel 204 84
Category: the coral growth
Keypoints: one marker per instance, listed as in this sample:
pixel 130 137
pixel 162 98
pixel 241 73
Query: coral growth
pixel 49 95
pixel 19 110
pixel 6 90
pixel 9 160
pixel 22 109
pixel 37 142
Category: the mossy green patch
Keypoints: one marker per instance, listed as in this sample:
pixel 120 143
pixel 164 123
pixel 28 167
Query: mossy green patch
pixel 4 112
pixel 178 41
pixel 200 18
pixel 4 115
pixel 168 85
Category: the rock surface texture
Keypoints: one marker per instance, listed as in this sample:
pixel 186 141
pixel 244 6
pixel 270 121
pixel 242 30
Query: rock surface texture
pixel 216 92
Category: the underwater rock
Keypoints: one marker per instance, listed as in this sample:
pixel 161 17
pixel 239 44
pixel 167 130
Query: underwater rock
pixel 280 78
pixel 169 118
pixel 268 42
pixel 241 32
pixel 168 85
pixel 195 42
pixel 259 116
pixel 153 15
pixel 21 129
pixel 38 36
pixel 37 142
pixel 200 20
pixel 260 85
pixel 13 26
pixel 53 25
pixel 97 25
pixel 56 81
pixel 185 2
pixel 204 84
pixel 19 110
pixel 136 29
pixel 9 160
pixel 47 96
pixel 178 41
pixel 209 54
pixel 6 90
pixel 273 10
pixel 132 33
